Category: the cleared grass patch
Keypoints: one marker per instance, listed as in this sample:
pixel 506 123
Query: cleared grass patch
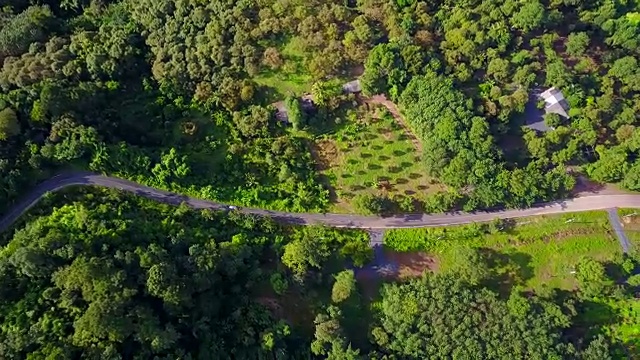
pixel 372 154
pixel 292 77
pixel 535 252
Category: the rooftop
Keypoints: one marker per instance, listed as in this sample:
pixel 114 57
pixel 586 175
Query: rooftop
pixel 555 103
pixel 352 87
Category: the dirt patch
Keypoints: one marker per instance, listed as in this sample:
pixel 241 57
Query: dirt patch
pixel 631 219
pixel 412 264
pixel 292 307
pixel 326 154
pixel 395 112
pixel 555 236
pixel 271 304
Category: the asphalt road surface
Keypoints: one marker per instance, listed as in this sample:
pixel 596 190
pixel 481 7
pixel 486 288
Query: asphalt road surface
pixel 584 203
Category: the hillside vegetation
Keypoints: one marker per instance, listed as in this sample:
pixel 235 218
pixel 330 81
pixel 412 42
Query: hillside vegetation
pixel 176 94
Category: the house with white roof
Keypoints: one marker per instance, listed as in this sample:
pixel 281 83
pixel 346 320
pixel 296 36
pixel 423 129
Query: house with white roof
pixel 555 103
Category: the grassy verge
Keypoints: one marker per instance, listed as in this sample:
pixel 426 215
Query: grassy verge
pixel 630 219
pixel 540 251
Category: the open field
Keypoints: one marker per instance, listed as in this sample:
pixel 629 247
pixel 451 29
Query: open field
pixel 372 154
pixel 534 251
pixel 292 77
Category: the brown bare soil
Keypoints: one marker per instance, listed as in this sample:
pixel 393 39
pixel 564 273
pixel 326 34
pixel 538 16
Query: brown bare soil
pixel 395 112
pixel 326 153
pixel 412 264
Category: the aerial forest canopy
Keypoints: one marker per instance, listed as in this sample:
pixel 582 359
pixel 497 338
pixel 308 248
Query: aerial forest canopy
pixel 176 94
pixel 114 276
pixel 227 100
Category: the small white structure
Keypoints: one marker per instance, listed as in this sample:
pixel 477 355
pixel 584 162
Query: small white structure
pixel 352 87
pixel 555 102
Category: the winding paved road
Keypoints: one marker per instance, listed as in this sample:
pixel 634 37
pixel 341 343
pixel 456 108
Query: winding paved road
pixel 585 203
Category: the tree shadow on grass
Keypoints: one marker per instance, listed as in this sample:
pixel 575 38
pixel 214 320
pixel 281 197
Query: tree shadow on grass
pixel 508 269
pixel 615 272
pixel 325 181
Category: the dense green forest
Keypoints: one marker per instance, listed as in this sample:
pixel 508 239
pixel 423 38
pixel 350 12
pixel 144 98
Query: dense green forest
pixel 176 94
pixel 114 276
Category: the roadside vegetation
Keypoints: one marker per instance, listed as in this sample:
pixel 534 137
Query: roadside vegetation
pixel 630 220
pixel 570 253
pixel 177 96
pixel 97 273
pixel 542 251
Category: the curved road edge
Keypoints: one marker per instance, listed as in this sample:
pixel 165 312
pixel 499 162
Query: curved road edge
pixel 586 203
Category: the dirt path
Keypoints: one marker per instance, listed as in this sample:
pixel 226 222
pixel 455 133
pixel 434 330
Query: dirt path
pixel 395 112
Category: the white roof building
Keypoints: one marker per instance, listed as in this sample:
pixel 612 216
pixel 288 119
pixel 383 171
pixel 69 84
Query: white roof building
pixel 352 87
pixel 555 102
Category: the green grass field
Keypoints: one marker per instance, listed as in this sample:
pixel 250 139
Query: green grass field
pixel 372 154
pixel 538 250
pixel 292 78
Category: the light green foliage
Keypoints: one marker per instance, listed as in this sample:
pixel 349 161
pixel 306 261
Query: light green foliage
pixel 611 165
pixel 9 125
pixel 538 252
pixel 634 280
pixel 279 283
pixel 69 141
pixel 313 246
pixel 368 204
pixel 295 113
pixel 592 279
pixel 530 16
pixel 557 74
pixel 577 43
pixel 418 319
pixel 468 265
pixel 116 271
pixel 19 31
pixel 631 179
pixel 344 286
pixel 552 120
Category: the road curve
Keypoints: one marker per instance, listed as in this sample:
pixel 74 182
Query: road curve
pixel 585 203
